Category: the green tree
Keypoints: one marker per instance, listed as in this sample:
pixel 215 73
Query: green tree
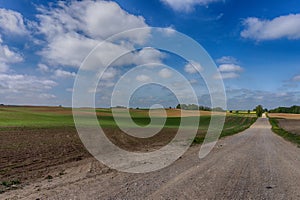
pixel 259 110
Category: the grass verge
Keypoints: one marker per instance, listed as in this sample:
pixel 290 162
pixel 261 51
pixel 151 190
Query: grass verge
pixel 232 125
pixel 283 133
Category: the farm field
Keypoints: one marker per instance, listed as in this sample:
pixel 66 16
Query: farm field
pixel 288 122
pixel 284 115
pixel 40 140
pixel 286 125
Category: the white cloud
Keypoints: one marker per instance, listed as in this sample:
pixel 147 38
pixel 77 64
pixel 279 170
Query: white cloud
pixel 227 75
pixel 287 26
pixel 168 31
pixel 193 67
pixel 7 56
pixel 17 83
pixel 148 55
pixel 43 68
pixel 68 49
pixel 109 74
pixel 143 78
pixel 144 56
pixel 187 5
pixel 12 22
pixel 47 96
pixel 73 29
pixel 296 78
pixel 193 81
pixel 165 73
pixel 227 60
pixel 239 98
pixel 230 68
pixel 63 74
pixel 3 68
pixel 228 71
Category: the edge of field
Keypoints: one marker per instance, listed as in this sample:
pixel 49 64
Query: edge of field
pixel 294 138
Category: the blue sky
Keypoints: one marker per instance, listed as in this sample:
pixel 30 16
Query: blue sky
pixel 255 45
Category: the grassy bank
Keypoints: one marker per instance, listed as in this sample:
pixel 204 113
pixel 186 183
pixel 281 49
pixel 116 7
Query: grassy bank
pixel 233 124
pixel 283 133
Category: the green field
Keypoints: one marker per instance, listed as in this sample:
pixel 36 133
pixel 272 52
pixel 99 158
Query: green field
pixel 52 117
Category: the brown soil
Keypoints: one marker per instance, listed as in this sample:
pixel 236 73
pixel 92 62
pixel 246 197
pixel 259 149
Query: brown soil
pixel 31 154
pixel 28 154
pixel 290 125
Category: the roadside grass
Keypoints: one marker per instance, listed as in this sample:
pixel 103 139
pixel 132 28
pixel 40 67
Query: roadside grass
pixel 283 133
pixel 9 185
pixel 233 124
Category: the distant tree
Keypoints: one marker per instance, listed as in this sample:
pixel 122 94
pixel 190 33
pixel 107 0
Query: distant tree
pixel 137 108
pixel 259 110
pixel 249 111
pixel 237 112
pixel 183 106
pixel 266 110
pixel 294 109
pixel 192 107
pixel 230 111
pixel 178 106
pixel 170 107
pixel 218 109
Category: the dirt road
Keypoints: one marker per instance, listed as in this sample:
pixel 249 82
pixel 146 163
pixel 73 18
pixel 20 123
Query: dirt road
pixel 255 164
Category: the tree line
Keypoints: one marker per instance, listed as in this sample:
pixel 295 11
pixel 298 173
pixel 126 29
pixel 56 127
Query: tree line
pixel 197 107
pixel 294 109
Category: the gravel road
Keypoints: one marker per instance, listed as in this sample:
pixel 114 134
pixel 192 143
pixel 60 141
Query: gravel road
pixel 254 164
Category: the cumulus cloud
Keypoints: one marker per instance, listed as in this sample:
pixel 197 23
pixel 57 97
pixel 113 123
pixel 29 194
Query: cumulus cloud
pixel 3 68
pixel 47 96
pixel 193 67
pixel 165 73
pixel 296 78
pixel 109 74
pixel 248 99
pixel 73 29
pixel 12 22
pixel 143 78
pixel 287 26
pixel 17 83
pixel 187 5
pixel 43 68
pixel 227 60
pixel 8 56
pixel 230 68
pixel 63 74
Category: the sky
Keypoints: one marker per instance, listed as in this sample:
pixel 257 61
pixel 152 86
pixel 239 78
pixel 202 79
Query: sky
pixel 255 46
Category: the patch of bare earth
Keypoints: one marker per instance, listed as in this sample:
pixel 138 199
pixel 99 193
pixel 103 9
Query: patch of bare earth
pixel 284 115
pixel 33 154
pixel 290 125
